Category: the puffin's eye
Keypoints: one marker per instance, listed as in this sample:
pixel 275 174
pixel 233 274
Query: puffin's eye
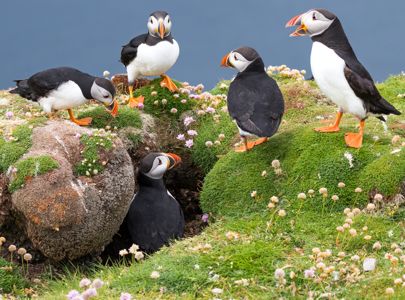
pixel 235 57
pixel 106 96
pixel 151 21
pixel 314 17
pixel 159 161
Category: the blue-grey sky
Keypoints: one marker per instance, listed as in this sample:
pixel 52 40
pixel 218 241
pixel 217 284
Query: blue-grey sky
pixel 89 34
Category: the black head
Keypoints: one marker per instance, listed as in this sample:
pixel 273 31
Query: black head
pixel 159 24
pixel 240 58
pixel 155 165
pixel 313 22
pixel 103 90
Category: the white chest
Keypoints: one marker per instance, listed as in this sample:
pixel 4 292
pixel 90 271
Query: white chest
pixel 328 71
pixel 67 95
pixel 154 60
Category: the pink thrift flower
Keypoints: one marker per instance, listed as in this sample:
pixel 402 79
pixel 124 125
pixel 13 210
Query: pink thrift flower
pixel 210 110
pixel 192 132
pixel 188 120
pixel 91 292
pixel 125 296
pixel 309 273
pixel 9 114
pixel 73 294
pixel 97 283
pixel 189 143
pixel 181 137
pixel 204 218
pixel 85 282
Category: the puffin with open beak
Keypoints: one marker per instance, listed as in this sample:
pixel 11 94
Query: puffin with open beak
pixel 155 217
pixel 254 101
pixel 151 54
pixel 338 72
pixel 66 88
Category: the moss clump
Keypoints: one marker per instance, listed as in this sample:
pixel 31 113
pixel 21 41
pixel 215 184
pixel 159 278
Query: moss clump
pixel 11 151
pixel 155 95
pixel 31 167
pixel 126 117
pixel 92 146
pixel 10 279
pixel 208 131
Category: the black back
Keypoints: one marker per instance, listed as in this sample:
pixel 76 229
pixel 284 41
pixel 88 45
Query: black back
pixel 255 101
pixel 357 76
pixel 154 217
pixel 40 84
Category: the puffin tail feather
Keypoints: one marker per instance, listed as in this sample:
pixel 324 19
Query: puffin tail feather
pixel 22 89
pixel 388 108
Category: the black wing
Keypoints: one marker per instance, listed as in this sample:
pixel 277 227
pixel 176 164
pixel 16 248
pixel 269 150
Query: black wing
pixel 363 86
pixel 256 104
pixel 130 50
pixel 43 82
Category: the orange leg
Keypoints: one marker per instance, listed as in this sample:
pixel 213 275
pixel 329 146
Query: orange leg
pixel 332 128
pixel 249 145
pixel 80 122
pixel 168 83
pixel 355 140
pixel 134 102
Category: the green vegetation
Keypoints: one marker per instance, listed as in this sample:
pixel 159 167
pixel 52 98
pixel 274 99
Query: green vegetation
pixel 160 100
pixel 10 278
pixel 91 163
pixel 12 149
pixel 31 167
pixel 126 117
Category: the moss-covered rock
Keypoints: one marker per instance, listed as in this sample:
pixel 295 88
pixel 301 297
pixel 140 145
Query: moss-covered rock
pixel 31 167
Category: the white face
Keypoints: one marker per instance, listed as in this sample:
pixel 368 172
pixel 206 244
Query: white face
pixel 154 26
pixel 160 165
pixel 101 94
pixel 315 22
pixel 238 61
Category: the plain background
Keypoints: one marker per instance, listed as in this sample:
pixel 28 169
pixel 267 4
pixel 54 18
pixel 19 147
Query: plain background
pixel 88 35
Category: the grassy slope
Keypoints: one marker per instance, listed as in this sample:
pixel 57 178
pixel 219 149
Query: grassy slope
pixel 265 240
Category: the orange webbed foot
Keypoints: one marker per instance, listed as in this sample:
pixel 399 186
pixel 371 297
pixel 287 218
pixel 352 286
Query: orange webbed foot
pixel 332 128
pixel 354 140
pixel 168 83
pixel 135 102
pixel 250 145
pixel 83 122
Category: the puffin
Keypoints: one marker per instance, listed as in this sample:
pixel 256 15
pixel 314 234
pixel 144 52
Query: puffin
pixel 151 54
pixel 254 101
pixel 155 217
pixel 339 74
pixel 65 88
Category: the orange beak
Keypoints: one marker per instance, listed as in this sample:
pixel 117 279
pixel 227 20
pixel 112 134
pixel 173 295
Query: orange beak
pixel 174 160
pixel 225 61
pixel 162 30
pixel 301 30
pixel 114 108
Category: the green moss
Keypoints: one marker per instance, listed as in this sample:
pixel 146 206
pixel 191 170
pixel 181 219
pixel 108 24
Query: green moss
pixel 136 139
pixel 10 278
pixel 92 145
pixel 163 93
pixel 11 151
pixel 221 87
pixel 126 117
pixel 31 167
pixel 208 130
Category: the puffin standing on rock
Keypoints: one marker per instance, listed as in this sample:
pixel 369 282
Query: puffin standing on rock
pixel 255 101
pixel 151 54
pixel 65 88
pixel 155 217
pixel 338 72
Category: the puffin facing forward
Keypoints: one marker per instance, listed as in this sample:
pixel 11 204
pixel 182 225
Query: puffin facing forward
pixel 338 72
pixel 151 54
pixel 155 217
pixel 66 88
pixel 255 101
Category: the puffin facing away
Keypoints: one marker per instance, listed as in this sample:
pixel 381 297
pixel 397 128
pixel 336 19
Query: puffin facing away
pixel 151 54
pixel 255 101
pixel 338 72
pixel 155 217
pixel 66 88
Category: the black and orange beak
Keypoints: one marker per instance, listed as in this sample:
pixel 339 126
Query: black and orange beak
pixel 301 29
pixel 113 108
pixel 174 160
pixel 162 29
pixel 225 61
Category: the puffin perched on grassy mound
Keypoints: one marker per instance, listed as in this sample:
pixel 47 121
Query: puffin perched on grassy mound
pixel 155 217
pixel 151 54
pixel 255 101
pixel 338 72
pixel 66 88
